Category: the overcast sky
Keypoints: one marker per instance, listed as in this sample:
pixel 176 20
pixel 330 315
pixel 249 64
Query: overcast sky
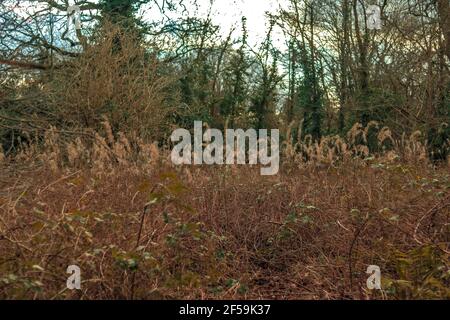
pixel 225 13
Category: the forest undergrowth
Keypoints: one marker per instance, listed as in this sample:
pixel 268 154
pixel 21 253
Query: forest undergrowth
pixel 139 227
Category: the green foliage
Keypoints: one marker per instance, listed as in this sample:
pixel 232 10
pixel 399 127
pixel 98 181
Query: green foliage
pixel 310 96
pixel 189 257
pixel 422 273
pixel 123 13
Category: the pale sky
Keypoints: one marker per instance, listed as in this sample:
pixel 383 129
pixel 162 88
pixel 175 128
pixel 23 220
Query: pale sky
pixel 227 13
pixel 231 11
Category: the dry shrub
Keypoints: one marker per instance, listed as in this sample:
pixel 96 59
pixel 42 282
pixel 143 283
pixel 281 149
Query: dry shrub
pixel 225 233
pixel 412 149
pixel 52 156
pixel 140 227
pixel 102 153
pixel 115 78
pixel 104 150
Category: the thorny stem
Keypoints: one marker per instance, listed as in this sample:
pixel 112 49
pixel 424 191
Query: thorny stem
pixel 141 226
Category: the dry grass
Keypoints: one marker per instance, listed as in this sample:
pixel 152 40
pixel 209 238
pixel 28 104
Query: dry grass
pixel 140 228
